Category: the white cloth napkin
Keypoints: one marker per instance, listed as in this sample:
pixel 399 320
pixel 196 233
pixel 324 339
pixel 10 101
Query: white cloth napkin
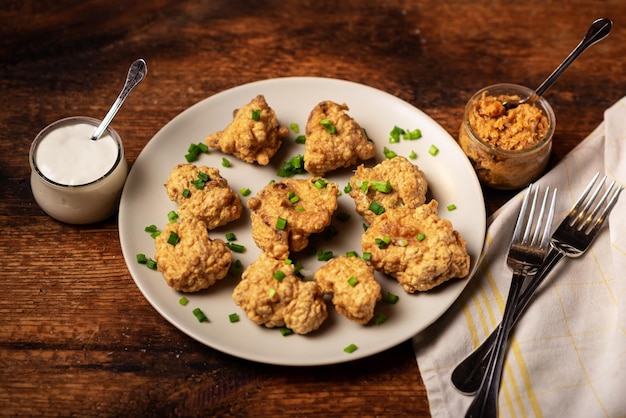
pixel 567 355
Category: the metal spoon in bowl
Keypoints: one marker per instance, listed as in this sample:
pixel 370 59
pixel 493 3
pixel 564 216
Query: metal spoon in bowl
pixel 598 30
pixel 136 73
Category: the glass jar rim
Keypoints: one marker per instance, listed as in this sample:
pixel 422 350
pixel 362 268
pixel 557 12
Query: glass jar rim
pixel 71 121
pixel 541 102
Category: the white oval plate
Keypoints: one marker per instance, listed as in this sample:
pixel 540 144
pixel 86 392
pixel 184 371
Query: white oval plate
pixel 144 202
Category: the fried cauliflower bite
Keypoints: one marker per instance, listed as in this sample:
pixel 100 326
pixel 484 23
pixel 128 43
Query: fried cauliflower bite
pixel 325 151
pixel 280 299
pixel 416 247
pixel 210 201
pixel 355 301
pixel 254 135
pixel 195 262
pixel 393 183
pixel 306 205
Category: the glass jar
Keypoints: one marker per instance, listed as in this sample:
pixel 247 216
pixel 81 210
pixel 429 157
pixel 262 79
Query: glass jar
pixel 507 150
pixel 75 179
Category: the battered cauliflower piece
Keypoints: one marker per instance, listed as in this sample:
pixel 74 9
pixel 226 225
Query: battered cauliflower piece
pixel 280 299
pixel 351 282
pixel 416 247
pixel 393 183
pixel 195 262
pixel 305 205
pixel 210 201
pixel 325 151
pixel 254 135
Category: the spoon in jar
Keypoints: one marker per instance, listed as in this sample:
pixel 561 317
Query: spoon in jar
pixel 136 73
pixel 598 30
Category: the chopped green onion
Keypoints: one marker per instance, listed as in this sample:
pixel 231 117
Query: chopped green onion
pixel 172 216
pixel 403 243
pixel 225 162
pixel 394 135
pixel 381 186
pixel 376 208
pixel 389 154
pixel 272 292
pixel 186 193
pixel 203 147
pixel 451 207
pixel 245 191
pixel 347 189
pixel 420 237
pixel 203 176
pixel 352 281
pixel 284 331
pixel 236 248
pixel 142 259
pixel 433 150
pixel 379 318
pixel 390 298
pixel 367 256
pixel 155 234
pixel 413 155
pixel 151 264
pixel 329 126
pixel 288 261
pixel 281 224
pixel 279 275
pixel 320 184
pixel 233 317
pixel 293 198
pixel 256 114
pixel 183 301
pixel 151 228
pixel 351 348
pixel 193 153
pixel 324 255
pixel 365 186
pixel 352 254
pixel 200 316
pixel 294 128
pixel 365 226
pixel 300 208
pixel 173 238
pixel 230 236
pixel 292 167
pixel 236 267
pixel 412 135
pixel 301 139
pixel 383 242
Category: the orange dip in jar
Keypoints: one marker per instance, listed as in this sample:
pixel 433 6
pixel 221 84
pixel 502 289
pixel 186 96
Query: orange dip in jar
pixel 508 149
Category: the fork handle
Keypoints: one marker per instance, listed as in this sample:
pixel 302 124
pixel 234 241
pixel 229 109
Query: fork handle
pixel 468 375
pixel 485 404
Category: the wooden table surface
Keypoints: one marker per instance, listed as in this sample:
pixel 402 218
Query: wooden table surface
pixel 77 338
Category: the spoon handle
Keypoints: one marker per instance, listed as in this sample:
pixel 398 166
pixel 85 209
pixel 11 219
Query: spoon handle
pixel 598 30
pixel 136 73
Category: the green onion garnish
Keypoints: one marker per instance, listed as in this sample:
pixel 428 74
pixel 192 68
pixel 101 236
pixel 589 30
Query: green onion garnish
pixel 155 234
pixel 391 298
pixel 281 223
pixel 200 316
pixel 225 162
pixel 381 186
pixel 376 208
pixel 412 135
pixel 394 135
pixel 284 331
pixel 433 150
pixel 256 114
pixel 300 208
pixel 413 155
pixel 230 236
pixel 451 207
pixel 292 167
pixel 347 189
pixel 236 248
pixel 324 255
pixel 279 275
pixel 233 317
pixel 352 254
pixel 379 318
pixel 183 301
pixel 329 126
pixel 320 184
pixel 420 237
pixel 301 139
pixel 142 259
pixel 173 238
pixel 294 128
pixel 383 242
pixel 236 267
pixel 351 348
pixel 389 154
pixel 352 281
pixel 186 193
pixel 245 191
pixel 172 216
pixel 151 228
pixel 367 256
pixel 151 264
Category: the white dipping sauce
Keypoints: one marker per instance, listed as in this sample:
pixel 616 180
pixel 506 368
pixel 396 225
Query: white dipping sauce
pixel 75 179
pixel 67 155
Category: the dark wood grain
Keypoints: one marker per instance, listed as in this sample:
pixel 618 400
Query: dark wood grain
pixel 77 337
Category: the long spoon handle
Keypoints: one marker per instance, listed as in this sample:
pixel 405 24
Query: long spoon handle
pixel 598 30
pixel 136 73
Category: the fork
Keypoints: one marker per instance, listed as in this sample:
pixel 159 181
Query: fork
pixel 571 239
pixel 528 248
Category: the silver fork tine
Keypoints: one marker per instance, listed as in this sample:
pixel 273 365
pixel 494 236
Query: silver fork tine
pixel 545 238
pixel 597 224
